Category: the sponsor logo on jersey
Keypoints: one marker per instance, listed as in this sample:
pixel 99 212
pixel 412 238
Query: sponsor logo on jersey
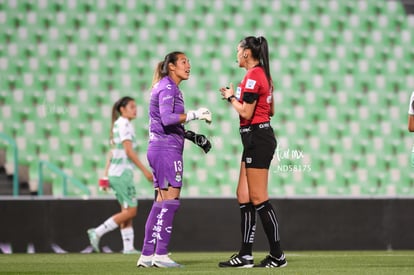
pixel 250 83
pixel 168 86
pixel 248 160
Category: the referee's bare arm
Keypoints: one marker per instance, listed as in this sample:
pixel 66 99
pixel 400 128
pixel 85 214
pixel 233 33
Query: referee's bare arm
pixel 272 107
pixel 244 109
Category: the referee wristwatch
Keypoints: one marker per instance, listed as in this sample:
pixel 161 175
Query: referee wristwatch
pixel 230 98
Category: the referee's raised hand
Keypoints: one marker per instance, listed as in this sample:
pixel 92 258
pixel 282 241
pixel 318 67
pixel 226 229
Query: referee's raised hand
pixel 227 92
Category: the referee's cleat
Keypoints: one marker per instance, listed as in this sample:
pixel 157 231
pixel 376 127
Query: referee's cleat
pixel 164 261
pixel 144 261
pixel 271 262
pixel 94 239
pixel 236 260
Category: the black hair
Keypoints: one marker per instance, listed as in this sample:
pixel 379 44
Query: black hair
pixel 116 111
pixel 162 67
pixel 260 51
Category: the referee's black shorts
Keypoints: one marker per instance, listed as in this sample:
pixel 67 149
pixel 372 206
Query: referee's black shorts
pixel 259 145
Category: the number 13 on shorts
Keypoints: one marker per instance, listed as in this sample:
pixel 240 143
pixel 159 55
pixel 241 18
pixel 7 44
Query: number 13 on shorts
pixel 178 167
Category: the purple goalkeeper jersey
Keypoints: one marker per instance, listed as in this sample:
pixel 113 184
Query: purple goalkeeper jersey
pixel 166 104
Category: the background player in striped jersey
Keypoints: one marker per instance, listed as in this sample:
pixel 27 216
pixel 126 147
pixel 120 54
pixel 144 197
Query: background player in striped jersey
pixel 253 101
pixel 123 157
pixel 165 155
pixel 411 123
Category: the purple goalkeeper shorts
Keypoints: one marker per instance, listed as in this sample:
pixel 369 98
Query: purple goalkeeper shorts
pixel 167 168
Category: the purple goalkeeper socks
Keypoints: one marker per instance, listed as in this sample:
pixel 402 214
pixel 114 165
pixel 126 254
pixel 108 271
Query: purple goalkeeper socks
pixel 151 230
pixel 165 220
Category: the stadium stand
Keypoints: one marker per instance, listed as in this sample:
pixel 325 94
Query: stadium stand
pixel 343 72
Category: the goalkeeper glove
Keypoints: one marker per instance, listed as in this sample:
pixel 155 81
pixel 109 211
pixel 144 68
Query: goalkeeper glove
pixel 201 113
pixel 199 140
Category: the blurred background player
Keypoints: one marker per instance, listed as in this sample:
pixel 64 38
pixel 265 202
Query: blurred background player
pixel 122 157
pixel 253 101
pixel 165 155
pixel 411 123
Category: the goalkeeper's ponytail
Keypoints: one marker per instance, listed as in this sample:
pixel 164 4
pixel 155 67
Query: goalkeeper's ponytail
pixel 157 73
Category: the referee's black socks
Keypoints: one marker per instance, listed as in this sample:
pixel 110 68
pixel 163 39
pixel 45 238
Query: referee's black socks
pixel 270 226
pixel 248 227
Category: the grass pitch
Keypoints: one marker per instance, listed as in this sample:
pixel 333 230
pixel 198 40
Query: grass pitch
pixel 309 262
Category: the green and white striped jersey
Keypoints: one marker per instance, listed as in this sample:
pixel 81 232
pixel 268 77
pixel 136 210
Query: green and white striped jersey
pixel 122 130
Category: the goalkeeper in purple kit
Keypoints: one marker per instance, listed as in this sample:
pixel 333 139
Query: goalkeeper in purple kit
pixel 165 155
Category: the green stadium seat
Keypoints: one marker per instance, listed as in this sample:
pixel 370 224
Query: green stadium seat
pixel 341 68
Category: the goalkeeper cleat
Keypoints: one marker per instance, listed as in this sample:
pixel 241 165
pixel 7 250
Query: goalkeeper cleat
pixel 144 261
pixel 94 239
pixel 238 261
pixel 271 262
pixel 164 261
